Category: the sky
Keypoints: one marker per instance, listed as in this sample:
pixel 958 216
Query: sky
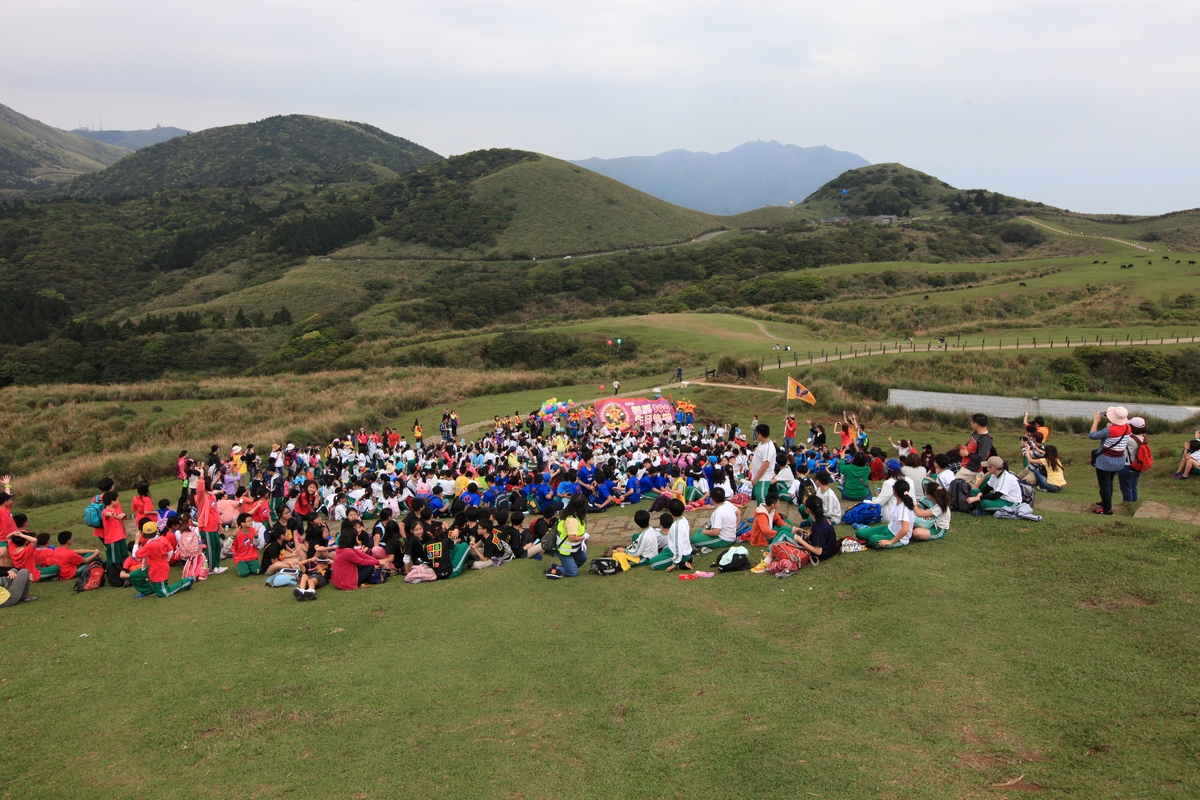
pixel 1090 106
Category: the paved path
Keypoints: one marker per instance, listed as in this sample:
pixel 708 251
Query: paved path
pixel 1091 235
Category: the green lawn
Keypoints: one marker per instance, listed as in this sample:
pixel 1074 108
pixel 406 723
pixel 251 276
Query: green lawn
pixel 1064 652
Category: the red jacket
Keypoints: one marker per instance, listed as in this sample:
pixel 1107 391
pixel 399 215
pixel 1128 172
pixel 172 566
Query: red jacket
pixel 345 566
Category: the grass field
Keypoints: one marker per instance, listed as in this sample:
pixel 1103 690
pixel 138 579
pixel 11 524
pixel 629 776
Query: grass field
pixel 1059 653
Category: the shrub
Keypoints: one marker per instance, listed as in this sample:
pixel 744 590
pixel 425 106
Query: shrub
pixel 1073 382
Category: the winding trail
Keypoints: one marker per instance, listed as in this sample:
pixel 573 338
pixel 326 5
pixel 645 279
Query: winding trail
pixel 1087 235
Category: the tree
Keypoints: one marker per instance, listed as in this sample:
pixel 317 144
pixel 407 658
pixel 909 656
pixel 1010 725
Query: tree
pixel 240 321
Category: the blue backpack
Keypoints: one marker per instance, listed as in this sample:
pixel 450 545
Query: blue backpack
pixel 863 514
pixel 93 515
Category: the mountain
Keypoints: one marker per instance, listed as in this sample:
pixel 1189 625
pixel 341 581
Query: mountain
pixel 900 190
pixel 297 147
pixel 133 140
pixel 31 151
pixel 752 175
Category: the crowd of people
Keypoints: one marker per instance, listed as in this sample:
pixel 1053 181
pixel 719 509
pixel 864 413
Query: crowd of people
pixel 372 505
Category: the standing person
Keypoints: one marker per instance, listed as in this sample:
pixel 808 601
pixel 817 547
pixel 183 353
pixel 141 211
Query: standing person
pixel 789 432
pixel 6 498
pixel 116 551
pixel 570 536
pixel 1110 455
pixel 1129 476
pixel 616 387
pixel 679 374
pixel 208 519
pixel 762 466
pixel 977 450
pixel 143 503
pixel 416 432
pixel 453 424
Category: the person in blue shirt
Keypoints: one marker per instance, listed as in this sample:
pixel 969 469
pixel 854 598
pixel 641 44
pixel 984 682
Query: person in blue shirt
pixel 629 493
pixel 603 498
pixel 471 496
pixel 542 492
pixel 568 487
pixel 587 474
pixel 645 483
pixel 436 504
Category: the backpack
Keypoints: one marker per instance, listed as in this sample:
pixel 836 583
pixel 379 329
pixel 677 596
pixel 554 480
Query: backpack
pixel 960 492
pixel 91 576
pixel 93 515
pixel 787 557
pixel 285 577
pixel 189 544
pixel 735 559
pixel 112 572
pixel 1028 493
pixel 1144 459
pixel 605 566
pixel 863 514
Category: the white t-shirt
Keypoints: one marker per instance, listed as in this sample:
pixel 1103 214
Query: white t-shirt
pixel 724 521
pixel 900 515
pixel 945 478
pixel 679 539
pixel 1007 485
pixel 763 454
pixel 915 477
pixel 831 504
pixel 942 520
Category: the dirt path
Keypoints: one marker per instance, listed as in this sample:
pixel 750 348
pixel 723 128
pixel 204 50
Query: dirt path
pixel 1088 235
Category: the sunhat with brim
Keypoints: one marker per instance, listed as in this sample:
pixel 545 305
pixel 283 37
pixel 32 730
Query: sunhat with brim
pixel 1117 415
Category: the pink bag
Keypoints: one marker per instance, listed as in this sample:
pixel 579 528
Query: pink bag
pixel 419 573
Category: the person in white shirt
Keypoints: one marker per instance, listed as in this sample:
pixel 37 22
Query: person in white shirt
pixel 679 538
pixel 945 476
pixel 933 523
pixel 762 466
pixel 722 525
pixel 649 540
pixel 899 531
pixel 915 474
pixel 1003 488
pixel 829 499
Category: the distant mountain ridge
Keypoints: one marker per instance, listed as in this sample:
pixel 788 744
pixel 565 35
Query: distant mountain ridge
pixel 296 146
pixel 134 140
pixel 32 152
pixel 752 175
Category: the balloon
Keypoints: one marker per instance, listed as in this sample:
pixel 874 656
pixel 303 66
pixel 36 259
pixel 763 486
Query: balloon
pixel 843 191
pixel 602 387
pixel 618 341
pixel 610 342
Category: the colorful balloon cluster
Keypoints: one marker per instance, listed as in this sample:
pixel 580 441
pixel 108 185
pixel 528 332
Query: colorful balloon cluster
pixel 554 406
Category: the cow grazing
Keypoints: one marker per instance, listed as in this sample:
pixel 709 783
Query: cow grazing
pixel 1104 262
pixel 1095 262
pixel 926 297
pixel 1022 283
pixel 1191 263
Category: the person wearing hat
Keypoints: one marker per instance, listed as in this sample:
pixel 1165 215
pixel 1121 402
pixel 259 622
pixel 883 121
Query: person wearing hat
pixel 789 432
pixel 1109 457
pixel 1129 477
pixel 887 497
pixel 998 489
pixel 155 553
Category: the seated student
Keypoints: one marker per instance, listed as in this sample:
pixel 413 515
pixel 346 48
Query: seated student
pixel 22 549
pixel 471 496
pixel 768 522
pixel 676 491
pixel 69 561
pixel 856 473
pixel 514 532
pixel 352 567
pixel 898 532
pixel 915 474
pixel 782 481
pixel 932 522
pixel 630 493
pixel 647 541
pixel 886 498
pixel 44 557
pixel 245 549
pixel 721 530
pixel 1190 460
pixel 878 464
pixel 1047 471
pixel 436 504
pixel 602 497
pixel 277 555
pixel 830 505
pixel 487 547
pixel 568 487
pixel 820 540
pixel 943 474
pixel 928 459
pixel 155 551
pixel 314 574
pixel 679 541
pixel 997 487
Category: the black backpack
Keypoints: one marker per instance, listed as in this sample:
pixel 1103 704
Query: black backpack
pixel 605 566
pixel 960 492
pixel 91 576
pixel 112 574
pixel 737 563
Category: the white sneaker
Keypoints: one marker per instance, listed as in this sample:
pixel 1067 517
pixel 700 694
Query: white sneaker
pixel 217 571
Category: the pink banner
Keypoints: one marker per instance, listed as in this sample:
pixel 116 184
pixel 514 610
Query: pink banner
pixel 635 412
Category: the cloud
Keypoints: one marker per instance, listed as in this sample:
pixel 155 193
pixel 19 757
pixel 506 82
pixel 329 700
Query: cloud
pixel 1041 98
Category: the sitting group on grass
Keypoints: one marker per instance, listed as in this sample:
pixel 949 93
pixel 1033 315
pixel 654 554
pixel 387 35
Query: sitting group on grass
pixel 367 507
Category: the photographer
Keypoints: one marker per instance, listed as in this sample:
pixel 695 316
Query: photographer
pixel 1109 457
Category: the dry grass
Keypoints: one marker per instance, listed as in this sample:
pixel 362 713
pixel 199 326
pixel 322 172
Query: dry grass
pixel 62 441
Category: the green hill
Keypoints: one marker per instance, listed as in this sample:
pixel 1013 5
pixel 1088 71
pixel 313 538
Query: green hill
pixel 34 153
pixel 296 147
pixel 903 191
pixel 134 140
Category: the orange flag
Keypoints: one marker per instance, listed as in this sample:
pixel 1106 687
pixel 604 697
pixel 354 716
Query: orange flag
pixel 796 391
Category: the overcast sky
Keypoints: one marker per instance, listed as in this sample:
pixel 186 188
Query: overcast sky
pixel 1087 105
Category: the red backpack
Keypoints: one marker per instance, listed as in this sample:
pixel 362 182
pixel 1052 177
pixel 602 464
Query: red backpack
pixel 91 576
pixel 1144 459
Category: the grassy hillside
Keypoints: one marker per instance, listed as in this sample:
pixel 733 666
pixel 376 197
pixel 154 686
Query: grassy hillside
pixel 32 152
pixel 301 148
pixel 897 189
pixel 1178 230
pixel 133 140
